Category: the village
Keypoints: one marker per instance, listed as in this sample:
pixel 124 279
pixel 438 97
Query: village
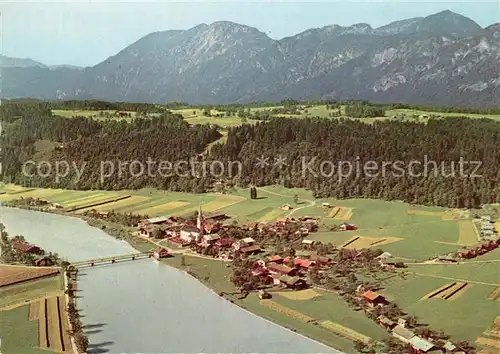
pixel 268 257
pixel 258 267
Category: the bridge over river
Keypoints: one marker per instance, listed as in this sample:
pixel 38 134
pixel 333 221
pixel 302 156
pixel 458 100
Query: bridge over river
pixel 112 259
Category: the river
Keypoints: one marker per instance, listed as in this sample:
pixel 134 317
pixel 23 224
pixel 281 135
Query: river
pixel 143 306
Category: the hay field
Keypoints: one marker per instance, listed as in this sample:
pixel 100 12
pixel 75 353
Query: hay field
pixel 92 199
pixel 162 208
pixel 467 233
pixel 489 342
pixel 52 325
pixel 341 213
pixel 116 206
pixel 220 202
pixel 345 332
pixel 273 214
pixel 497 227
pixel 359 242
pixel 450 291
pixel 300 295
pixel 428 213
pixel 286 311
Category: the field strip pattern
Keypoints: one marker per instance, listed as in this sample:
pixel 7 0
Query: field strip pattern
pixel 467 233
pixel 488 342
pixel 159 209
pixel 96 198
pixel 116 206
pixel 360 242
pixel 286 311
pixel 52 324
pixel 345 332
pixel 495 294
pixel 272 215
pixel 93 205
pixel 448 291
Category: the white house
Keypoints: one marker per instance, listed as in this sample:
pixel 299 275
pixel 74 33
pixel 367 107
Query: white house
pixel 190 233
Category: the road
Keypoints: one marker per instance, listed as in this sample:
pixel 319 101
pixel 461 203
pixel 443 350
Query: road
pixel 310 202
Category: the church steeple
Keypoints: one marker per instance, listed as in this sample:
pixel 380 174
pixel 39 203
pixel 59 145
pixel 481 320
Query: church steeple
pixel 200 222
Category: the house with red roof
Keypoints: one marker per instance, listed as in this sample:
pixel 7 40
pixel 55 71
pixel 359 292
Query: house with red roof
pixel 373 299
pixel 275 259
pixel 303 263
pixel 282 269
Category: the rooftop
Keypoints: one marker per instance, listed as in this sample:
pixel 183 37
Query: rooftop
pixel 370 295
pixel 403 332
pixel 250 248
pixel 421 344
pixel 157 220
pixel 279 267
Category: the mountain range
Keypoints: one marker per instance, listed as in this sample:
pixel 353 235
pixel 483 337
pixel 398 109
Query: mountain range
pixel 441 59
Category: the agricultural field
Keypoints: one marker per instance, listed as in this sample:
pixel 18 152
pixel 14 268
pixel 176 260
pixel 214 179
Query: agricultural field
pixel 14 295
pixel 20 313
pixel 414 293
pixel 52 324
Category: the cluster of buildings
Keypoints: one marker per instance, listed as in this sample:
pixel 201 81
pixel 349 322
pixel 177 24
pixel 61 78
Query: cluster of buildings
pixel 479 250
pixel 488 229
pixel 400 331
pixel 289 272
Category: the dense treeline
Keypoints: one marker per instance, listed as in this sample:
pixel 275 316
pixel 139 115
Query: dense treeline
pixel 92 149
pixel 98 105
pixel 363 110
pixel 312 146
pixel 410 161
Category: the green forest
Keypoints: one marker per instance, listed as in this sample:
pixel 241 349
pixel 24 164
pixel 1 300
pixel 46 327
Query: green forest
pixel 168 137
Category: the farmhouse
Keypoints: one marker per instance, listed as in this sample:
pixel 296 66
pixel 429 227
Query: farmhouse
pixel 326 205
pixel 295 283
pixel 245 242
pixel 188 233
pixel 264 295
pixel 160 252
pixel 303 263
pixel 421 345
pixel 216 217
pixel 321 260
pixel 44 261
pixel 275 259
pixel 254 249
pixel 308 242
pixel 275 268
pixel 286 207
pixel 224 242
pixel 25 247
pixel 347 227
pixel 373 299
pixel 209 239
pixel 386 322
pixel 402 333
pixel 259 271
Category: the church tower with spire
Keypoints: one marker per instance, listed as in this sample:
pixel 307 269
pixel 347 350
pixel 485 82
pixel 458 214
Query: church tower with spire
pixel 200 223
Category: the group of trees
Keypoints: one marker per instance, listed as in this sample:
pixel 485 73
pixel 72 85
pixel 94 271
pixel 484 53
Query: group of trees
pixel 81 340
pixel 9 255
pixel 363 111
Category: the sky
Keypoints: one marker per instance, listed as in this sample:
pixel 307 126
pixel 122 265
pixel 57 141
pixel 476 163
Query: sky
pixel 84 33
